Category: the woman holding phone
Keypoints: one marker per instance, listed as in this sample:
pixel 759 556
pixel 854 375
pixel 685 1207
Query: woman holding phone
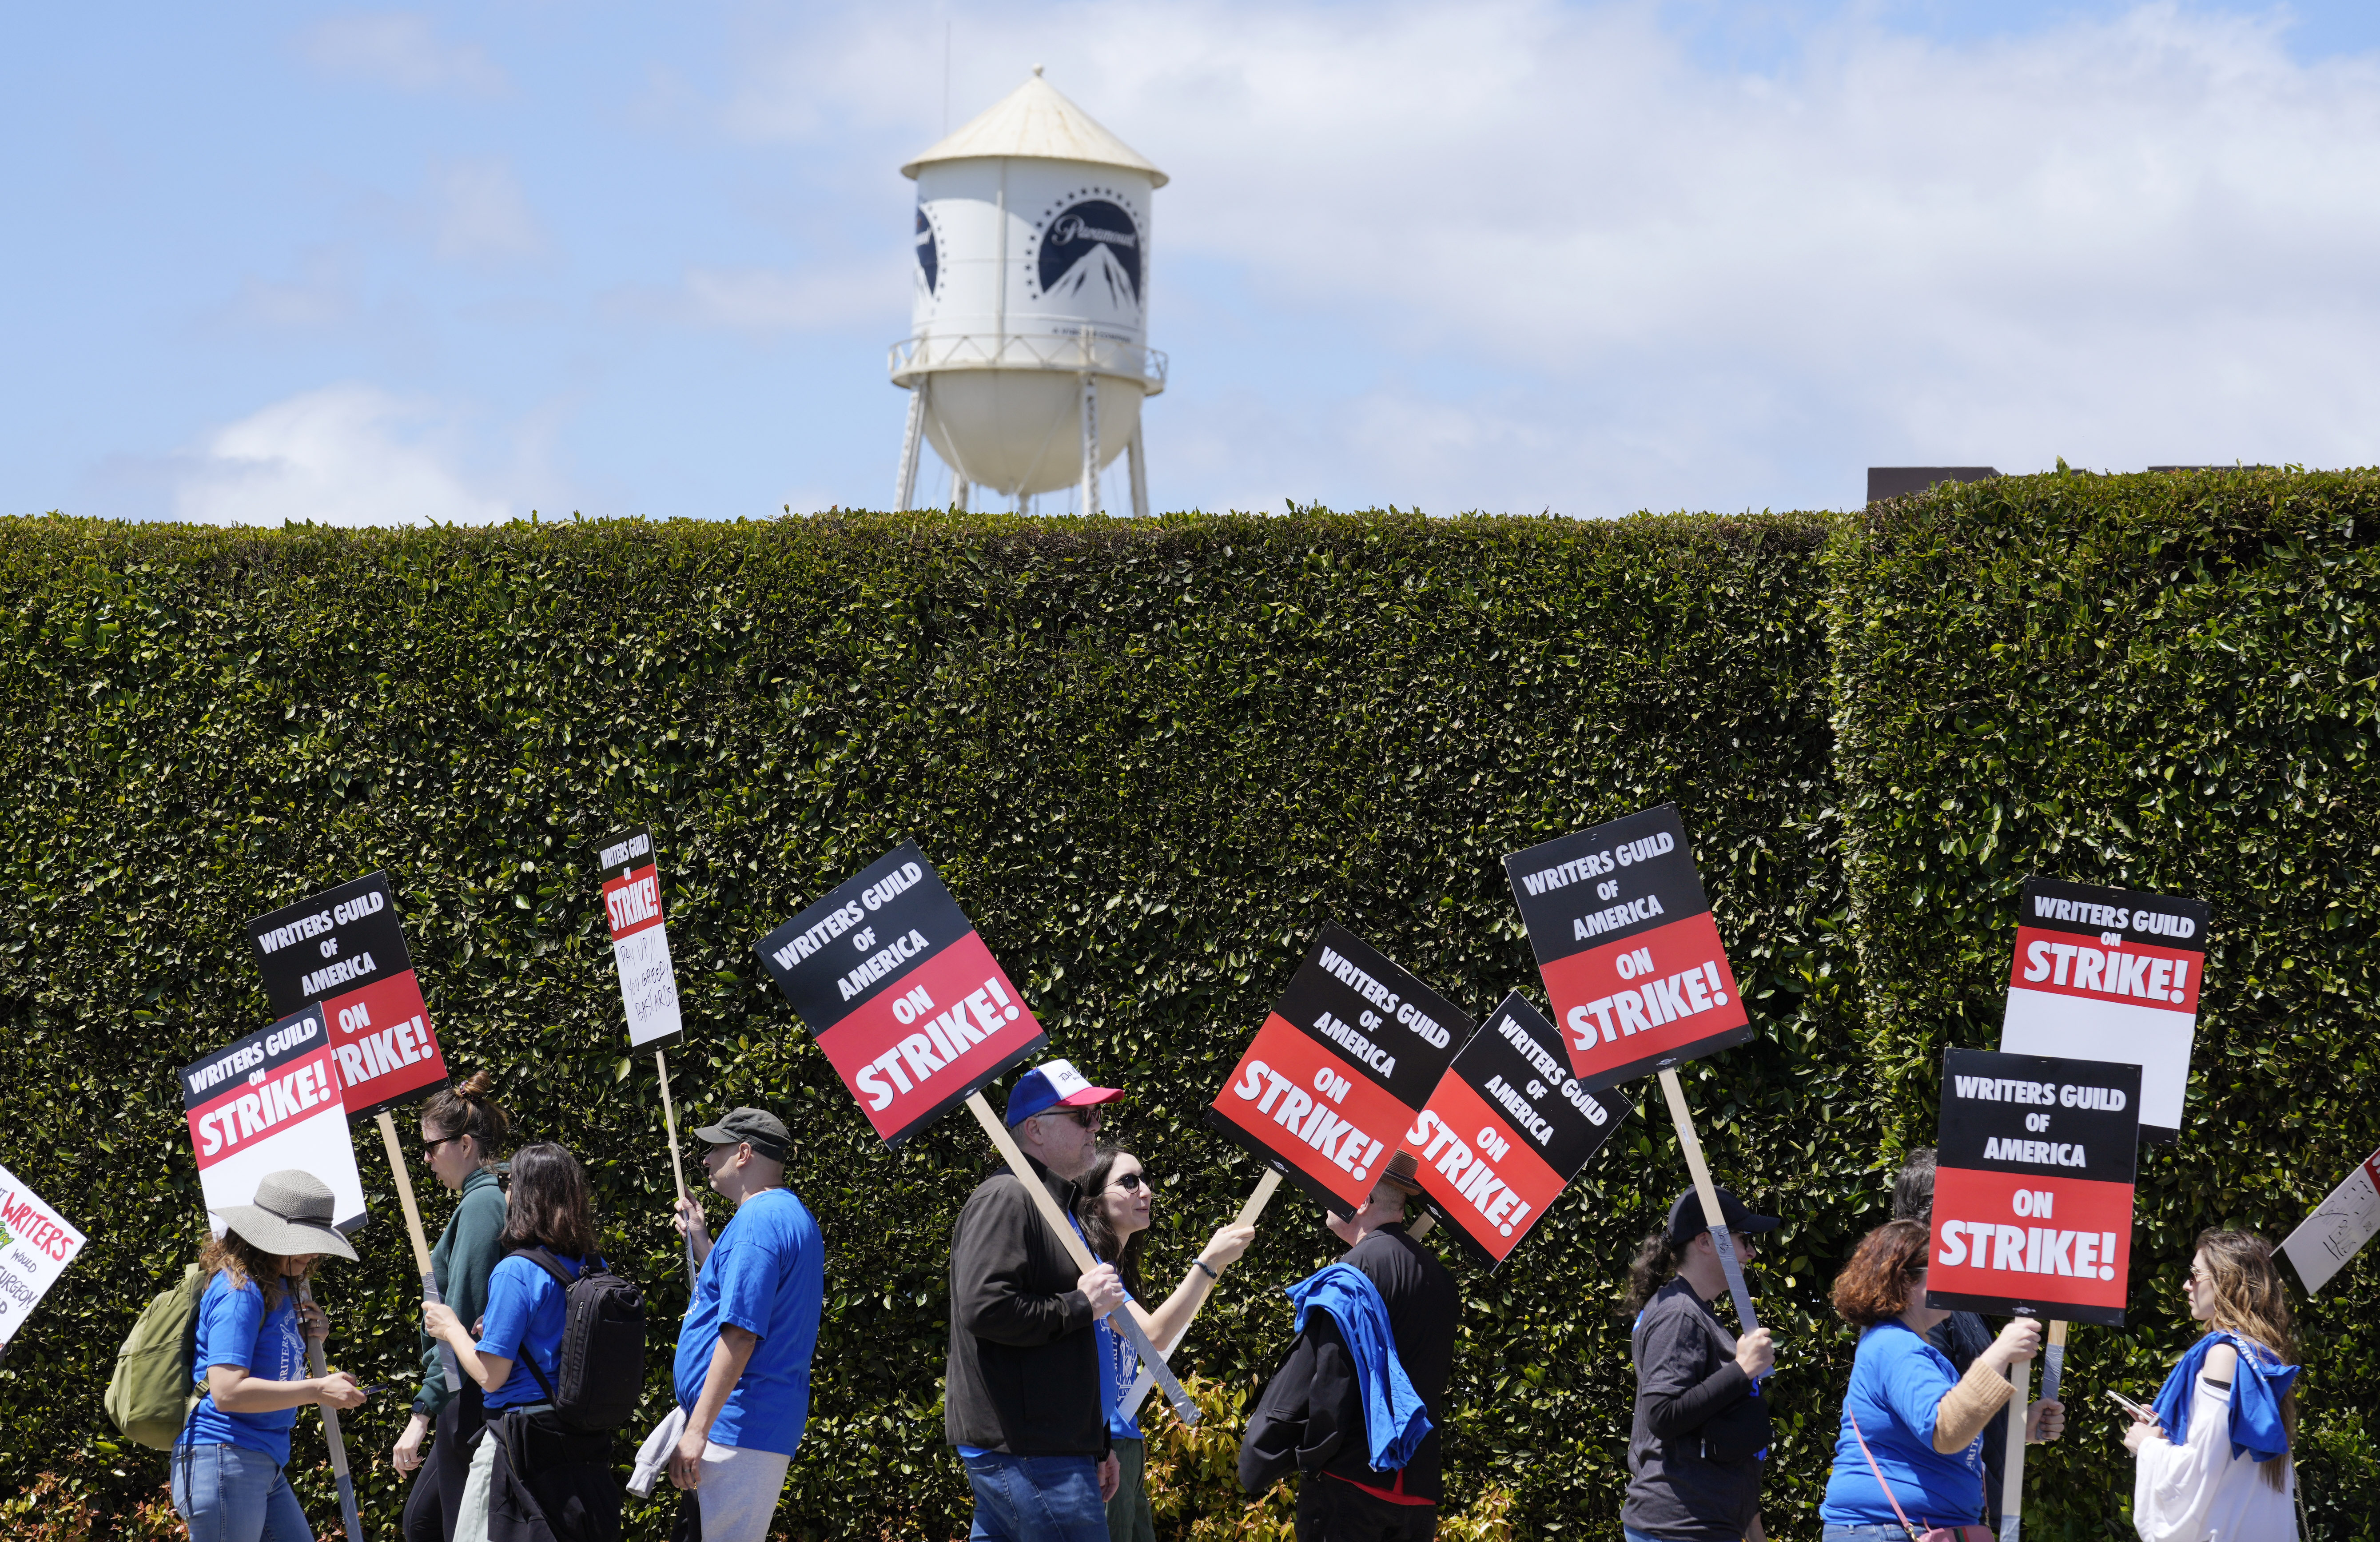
pixel 2212 1458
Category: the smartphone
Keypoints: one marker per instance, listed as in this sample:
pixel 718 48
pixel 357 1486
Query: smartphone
pixel 2129 1406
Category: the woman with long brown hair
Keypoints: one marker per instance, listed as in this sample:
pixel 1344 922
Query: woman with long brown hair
pixel 2215 1460
pixel 462 1132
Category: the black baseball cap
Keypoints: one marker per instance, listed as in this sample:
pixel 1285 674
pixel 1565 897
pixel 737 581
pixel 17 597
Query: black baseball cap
pixel 1686 1220
pixel 763 1131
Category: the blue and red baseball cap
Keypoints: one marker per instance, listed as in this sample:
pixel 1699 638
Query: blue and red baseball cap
pixel 1054 1084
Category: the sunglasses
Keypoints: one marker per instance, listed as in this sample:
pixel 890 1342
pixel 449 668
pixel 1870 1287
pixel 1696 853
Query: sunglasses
pixel 1130 1182
pixel 429 1148
pixel 1087 1118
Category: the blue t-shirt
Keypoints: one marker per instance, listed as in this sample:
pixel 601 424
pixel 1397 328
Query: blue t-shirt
pixel 1118 1366
pixel 236 1329
pixel 767 1275
pixel 1898 1382
pixel 525 1317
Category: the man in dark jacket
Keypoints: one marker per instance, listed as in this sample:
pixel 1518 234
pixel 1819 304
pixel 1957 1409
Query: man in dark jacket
pixel 1963 1335
pixel 1022 1402
pixel 1311 1417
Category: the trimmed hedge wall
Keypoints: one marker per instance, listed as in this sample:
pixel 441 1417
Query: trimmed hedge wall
pixel 1149 757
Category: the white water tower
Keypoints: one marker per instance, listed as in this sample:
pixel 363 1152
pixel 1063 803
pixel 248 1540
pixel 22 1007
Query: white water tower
pixel 1029 355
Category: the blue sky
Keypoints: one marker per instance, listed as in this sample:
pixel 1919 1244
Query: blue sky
pixel 272 261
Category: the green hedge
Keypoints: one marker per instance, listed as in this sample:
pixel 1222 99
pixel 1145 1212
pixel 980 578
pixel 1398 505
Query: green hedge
pixel 2166 683
pixel 1149 758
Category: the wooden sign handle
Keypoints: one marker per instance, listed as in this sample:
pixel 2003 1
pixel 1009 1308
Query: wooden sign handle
pixel 677 1163
pixel 338 1443
pixel 1120 1320
pixel 1138 1393
pixel 421 1244
pixel 2013 1483
pixel 1713 1215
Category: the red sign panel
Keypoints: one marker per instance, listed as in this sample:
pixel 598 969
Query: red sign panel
pixel 1296 1100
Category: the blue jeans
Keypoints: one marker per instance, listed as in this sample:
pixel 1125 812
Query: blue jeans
pixel 233 1494
pixel 1864 1532
pixel 1035 1499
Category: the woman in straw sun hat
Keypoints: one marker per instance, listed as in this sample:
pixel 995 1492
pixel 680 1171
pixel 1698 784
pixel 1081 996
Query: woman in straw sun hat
pixel 251 1360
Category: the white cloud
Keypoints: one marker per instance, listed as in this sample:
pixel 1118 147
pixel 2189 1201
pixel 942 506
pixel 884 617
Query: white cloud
pixel 345 455
pixel 399 49
pixel 482 216
pixel 1545 253
pixel 767 300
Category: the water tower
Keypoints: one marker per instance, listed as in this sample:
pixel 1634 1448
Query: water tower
pixel 1029 355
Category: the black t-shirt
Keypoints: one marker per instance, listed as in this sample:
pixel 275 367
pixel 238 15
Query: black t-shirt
pixel 1697 1422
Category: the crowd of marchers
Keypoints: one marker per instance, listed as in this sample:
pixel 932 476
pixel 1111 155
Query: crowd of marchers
pixel 534 1356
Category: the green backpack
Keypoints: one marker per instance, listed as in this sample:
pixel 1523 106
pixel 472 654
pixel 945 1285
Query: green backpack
pixel 152 1391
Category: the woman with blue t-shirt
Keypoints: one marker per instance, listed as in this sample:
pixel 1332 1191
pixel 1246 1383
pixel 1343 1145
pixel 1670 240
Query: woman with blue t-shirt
pixel 1113 1214
pixel 227 1480
pixel 1911 1450
pixel 547 1207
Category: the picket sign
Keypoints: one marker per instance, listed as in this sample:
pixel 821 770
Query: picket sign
pixel 2339 1228
pixel 1120 1320
pixel 420 1246
pixel 630 872
pixel 1138 1393
pixel 330 1428
pixel 36 1245
pixel 1712 1217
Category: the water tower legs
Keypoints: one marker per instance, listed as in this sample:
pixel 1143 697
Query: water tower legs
pixel 910 438
pixel 1090 438
pixel 959 491
pixel 1138 460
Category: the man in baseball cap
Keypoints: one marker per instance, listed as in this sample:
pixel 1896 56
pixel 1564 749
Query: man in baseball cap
pixel 743 1368
pixel 1022 1402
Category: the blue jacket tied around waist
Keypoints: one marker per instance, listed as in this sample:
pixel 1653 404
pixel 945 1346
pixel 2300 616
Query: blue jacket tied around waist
pixel 2256 1389
pixel 1395 1421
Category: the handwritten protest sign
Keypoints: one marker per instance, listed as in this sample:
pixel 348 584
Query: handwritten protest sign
pixel 632 909
pixel 2339 1228
pixel 269 1102
pixel 1629 954
pixel 901 993
pixel 36 1245
pixel 2033 1186
pixel 2110 974
pixel 345 948
pixel 1352 1048
pixel 1506 1130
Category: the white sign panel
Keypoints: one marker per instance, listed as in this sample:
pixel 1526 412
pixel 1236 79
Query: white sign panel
pixel 36 1245
pixel 270 1103
pixel 632 908
pixel 2339 1228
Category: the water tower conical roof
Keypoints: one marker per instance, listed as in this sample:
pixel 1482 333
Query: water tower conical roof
pixel 1036 122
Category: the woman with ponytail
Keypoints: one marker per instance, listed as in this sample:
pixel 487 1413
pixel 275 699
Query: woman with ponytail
pixel 2215 1460
pixel 462 1130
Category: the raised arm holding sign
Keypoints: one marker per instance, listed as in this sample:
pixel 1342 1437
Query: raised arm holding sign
pixel 916 1017
pixel 1636 973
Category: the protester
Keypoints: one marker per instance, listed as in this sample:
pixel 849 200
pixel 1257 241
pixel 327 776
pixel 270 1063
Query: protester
pixel 1701 1426
pixel 1963 1335
pixel 2215 1461
pixel 520 1341
pixel 1022 1395
pixel 462 1130
pixel 743 1370
pixel 1359 1404
pixel 1113 1211
pixel 1910 1440
pixel 250 1357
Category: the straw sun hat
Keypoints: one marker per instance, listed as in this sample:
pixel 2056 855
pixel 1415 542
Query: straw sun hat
pixel 292 1214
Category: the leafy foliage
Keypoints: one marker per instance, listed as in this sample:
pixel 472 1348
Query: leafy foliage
pixel 1149 758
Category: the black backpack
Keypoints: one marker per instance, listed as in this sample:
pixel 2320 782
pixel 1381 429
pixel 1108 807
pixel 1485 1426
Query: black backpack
pixel 599 1374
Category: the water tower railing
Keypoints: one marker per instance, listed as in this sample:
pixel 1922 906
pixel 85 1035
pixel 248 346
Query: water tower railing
pixel 914 356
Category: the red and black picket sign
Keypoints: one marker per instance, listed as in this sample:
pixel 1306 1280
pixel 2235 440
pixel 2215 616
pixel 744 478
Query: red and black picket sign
pixel 268 1102
pixel 901 993
pixel 631 912
pixel 2033 1186
pixel 1631 956
pixel 1352 1048
pixel 2110 974
pixel 1505 1132
pixel 345 948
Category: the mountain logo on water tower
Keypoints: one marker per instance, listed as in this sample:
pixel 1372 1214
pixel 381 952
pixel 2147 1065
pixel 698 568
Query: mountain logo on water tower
pixel 1090 249
pixel 929 255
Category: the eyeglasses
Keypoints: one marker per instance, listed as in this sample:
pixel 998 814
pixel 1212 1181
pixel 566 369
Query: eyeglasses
pixel 429 1148
pixel 1087 1118
pixel 1130 1182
